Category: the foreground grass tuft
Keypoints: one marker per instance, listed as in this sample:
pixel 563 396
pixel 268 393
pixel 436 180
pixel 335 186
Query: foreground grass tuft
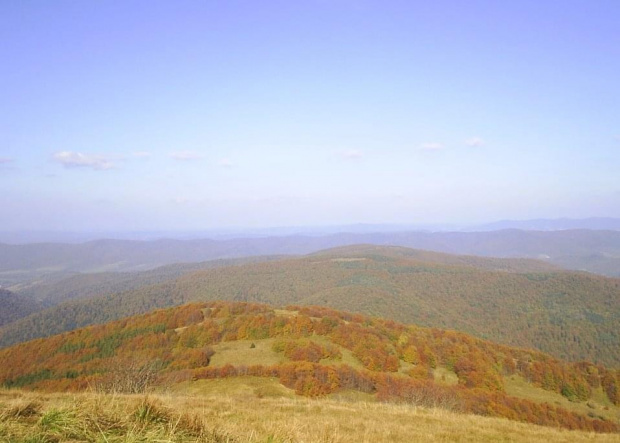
pixel 101 418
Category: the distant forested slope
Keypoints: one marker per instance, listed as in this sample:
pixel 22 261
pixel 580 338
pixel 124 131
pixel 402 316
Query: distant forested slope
pixel 14 306
pixel 594 251
pixel 47 292
pixel 102 283
pixel 570 315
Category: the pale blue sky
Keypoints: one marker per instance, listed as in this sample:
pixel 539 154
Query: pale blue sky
pixel 193 115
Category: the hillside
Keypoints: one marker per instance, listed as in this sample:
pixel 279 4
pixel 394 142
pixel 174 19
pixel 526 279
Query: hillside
pixel 262 414
pixel 575 316
pixel 52 292
pixel 517 265
pixel 594 251
pixel 259 419
pixel 42 294
pixel 14 306
pixel 317 352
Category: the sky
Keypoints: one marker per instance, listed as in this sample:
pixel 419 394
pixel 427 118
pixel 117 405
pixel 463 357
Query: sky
pixel 152 115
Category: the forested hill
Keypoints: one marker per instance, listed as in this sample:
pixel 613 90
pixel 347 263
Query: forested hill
pixel 594 251
pixel 575 316
pixel 50 290
pixel 398 252
pixel 87 285
pixel 14 306
pixel 314 351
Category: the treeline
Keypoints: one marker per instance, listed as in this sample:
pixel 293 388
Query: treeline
pixel 178 343
pixel 574 316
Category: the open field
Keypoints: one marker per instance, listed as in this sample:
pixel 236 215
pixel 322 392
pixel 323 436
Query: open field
pixel 246 417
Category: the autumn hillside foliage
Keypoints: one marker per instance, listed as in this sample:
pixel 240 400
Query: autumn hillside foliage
pixel 572 316
pixel 391 361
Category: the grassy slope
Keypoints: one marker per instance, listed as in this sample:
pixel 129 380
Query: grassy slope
pixel 177 338
pixel 598 406
pixel 241 416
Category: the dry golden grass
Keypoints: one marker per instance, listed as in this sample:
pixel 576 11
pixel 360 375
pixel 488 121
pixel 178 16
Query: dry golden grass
pixel 243 417
pixel 240 352
pixel 52 418
pixel 239 387
pixel 445 376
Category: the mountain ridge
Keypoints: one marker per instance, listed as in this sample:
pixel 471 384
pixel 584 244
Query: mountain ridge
pixel 570 314
pixel 593 251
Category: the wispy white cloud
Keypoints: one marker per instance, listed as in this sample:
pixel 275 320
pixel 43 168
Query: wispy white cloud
pixel 186 155
pixel 474 142
pixel 141 154
pixel 70 159
pixel 352 154
pixel 431 146
pixel 226 163
pixel 5 160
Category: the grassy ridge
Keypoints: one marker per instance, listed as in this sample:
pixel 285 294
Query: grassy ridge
pixel 315 352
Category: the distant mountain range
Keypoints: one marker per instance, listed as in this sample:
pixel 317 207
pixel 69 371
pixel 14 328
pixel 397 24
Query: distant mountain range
pixel 25 237
pixel 557 224
pixel 588 250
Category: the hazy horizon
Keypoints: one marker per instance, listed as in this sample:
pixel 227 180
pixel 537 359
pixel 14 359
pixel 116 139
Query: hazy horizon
pixel 229 233
pixel 195 116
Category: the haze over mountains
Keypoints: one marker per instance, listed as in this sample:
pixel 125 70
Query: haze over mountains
pixel 23 237
pixel 554 224
pixel 595 251
pixel 363 202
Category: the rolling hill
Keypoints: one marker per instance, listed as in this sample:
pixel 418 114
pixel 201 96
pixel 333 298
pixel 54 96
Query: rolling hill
pixel 575 316
pixel 85 285
pixel 48 292
pixel 318 352
pixel 593 251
